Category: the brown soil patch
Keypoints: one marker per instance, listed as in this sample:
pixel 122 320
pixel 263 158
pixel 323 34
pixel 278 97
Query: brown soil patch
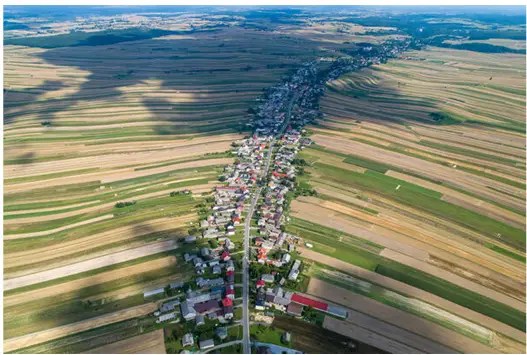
pixel 62 331
pixel 371 312
pixel 414 292
pixel 149 343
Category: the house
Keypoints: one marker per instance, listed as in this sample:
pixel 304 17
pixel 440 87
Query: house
pixel 286 258
pixel 206 344
pixel 226 302
pixel 205 252
pixel 216 269
pixel 207 307
pixel 260 300
pixel 165 317
pixel 190 239
pixel 268 278
pixel 295 270
pixel 295 309
pixel 225 256
pixel 155 292
pixel 229 265
pixel 169 306
pixel 260 283
pixel 229 292
pixel 222 333
pixel 200 320
pixel 187 311
pixel 188 340
pixel 188 257
pixel 228 312
pixel 229 277
pixel 197 261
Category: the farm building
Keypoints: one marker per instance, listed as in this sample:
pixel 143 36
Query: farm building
pixel 206 344
pixel 295 309
pixel 305 301
pixel 155 292
pixel 188 340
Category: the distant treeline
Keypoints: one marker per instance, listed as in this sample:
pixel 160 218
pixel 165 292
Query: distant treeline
pixel 482 47
pixel 75 39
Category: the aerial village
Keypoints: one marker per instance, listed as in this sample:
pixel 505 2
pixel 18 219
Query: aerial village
pixel 264 160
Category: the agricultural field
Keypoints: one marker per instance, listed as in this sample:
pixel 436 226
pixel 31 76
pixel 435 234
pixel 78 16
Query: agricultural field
pixel 82 134
pixel 112 146
pixel 117 130
pixel 418 168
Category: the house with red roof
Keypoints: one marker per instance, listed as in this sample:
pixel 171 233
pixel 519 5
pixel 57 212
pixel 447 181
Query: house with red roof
pixel 225 256
pixel 229 292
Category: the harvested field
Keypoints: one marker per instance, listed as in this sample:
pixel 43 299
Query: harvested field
pixel 414 292
pixel 149 343
pixel 66 250
pixel 312 339
pixel 398 233
pixel 56 230
pixel 74 285
pixel 87 265
pixel 423 266
pixel 50 334
pixel 376 311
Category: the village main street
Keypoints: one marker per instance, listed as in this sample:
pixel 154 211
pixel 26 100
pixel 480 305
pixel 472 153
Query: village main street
pixel 247 233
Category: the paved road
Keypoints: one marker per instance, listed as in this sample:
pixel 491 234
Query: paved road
pixel 224 345
pixel 247 230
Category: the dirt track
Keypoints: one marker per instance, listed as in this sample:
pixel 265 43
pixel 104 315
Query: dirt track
pixel 149 343
pixel 87 265
pixel 395 317
pixel 58 332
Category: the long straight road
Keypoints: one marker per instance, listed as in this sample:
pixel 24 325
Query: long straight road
pixel 247 230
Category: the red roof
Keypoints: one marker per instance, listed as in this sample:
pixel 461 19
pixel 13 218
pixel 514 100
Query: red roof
pixel 229 291
pixel 230 272
pixel 309 302
pixel 225 255
pixel 227 302
pixel 260 283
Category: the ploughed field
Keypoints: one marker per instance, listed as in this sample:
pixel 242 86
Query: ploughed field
pixel 87 127
pixel 419 211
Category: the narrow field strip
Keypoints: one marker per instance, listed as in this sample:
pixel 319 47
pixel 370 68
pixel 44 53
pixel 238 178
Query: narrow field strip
pixel 54 333
pixel 56 230
pixel 87 265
